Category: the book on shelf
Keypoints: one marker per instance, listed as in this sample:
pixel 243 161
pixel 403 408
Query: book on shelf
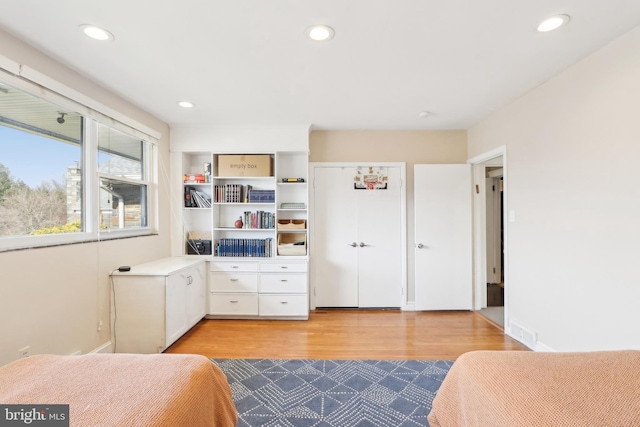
pixel 259 220
pixel 244 247
pixel 262 196
pixel 228 193
pixel 195 199
pixel 194 178
pixel 238 193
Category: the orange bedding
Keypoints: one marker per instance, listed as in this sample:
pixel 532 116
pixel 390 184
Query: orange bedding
pixel 124 389
pixel 527 389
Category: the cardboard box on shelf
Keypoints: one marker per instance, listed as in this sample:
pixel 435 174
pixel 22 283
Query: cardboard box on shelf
pixel 245 165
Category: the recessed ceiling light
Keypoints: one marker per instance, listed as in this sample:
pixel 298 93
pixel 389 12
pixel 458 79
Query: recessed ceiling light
pixel 185 104
pixel 320 33
pixel 96 32
pixel 553 23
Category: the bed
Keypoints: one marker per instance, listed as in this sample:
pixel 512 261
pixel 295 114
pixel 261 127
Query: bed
pixel 521 388
pixel 124 389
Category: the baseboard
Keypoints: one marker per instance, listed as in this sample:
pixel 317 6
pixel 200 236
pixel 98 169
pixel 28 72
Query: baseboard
pixel 104 348
pixel 541 347
pixel 410 306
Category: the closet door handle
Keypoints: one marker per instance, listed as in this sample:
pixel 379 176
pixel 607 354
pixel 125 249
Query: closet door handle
pixel 353 244
pixel 420 246
pixel 362 245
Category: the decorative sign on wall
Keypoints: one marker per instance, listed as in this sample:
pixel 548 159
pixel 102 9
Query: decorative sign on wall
pixel 370 178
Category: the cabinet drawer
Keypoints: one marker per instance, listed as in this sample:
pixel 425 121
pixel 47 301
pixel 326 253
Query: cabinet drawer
pixel 283 283
pixel 233 266
pixel 283 305
pixel 233 282
pixel 238 304
pixel 283 267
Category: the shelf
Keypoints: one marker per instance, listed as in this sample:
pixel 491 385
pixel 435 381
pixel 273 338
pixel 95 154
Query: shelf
pixel 244 203
pixel 270 193
pixel 243 178
pixel 242 229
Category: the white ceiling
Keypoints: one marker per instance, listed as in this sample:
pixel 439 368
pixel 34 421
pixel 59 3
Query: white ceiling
pixel 247 62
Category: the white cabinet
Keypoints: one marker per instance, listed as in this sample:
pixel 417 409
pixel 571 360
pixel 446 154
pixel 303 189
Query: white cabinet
pixel 155 303
pixel 359 252
pixel 246 288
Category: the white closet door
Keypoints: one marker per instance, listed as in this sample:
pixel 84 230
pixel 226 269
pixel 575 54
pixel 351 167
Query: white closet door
pixel 335 221
pixel 443 259
pixel 380 231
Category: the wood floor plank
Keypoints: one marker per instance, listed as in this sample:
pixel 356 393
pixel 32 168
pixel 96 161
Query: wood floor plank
pixel 348 334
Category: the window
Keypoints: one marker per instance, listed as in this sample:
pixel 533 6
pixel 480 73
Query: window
pixel 123 180
pixel 40 153
pixel 49 156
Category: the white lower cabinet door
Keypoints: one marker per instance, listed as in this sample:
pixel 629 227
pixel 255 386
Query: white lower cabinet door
pixel 233 304
pixel 283 305
pixel 283 283
pixel 176 313
pixel 233 282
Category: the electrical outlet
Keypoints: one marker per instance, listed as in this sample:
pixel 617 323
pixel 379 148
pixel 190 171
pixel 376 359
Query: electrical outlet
pixel 99 325
pixel 24 352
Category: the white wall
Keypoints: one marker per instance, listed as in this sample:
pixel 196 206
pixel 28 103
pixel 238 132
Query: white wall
pixel 52 299
pixel 573 146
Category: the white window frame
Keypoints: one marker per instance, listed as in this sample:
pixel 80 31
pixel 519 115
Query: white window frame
pixel 39 85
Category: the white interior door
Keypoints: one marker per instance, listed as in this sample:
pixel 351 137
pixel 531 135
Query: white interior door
pixel 443 252
pixel 380 244
pixel 335 253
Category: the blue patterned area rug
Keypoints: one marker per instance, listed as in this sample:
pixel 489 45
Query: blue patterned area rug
pixel 333 393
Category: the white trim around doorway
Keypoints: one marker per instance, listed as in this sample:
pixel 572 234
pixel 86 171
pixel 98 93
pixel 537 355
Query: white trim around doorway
pixel 479 164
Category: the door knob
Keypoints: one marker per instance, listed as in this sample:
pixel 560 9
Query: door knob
pixel 420 246
pixel 353 244
pixel 362 245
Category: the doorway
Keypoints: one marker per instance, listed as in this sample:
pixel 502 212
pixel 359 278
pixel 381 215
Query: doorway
pixel 490 233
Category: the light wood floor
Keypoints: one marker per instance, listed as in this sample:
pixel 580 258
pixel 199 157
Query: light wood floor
pixel 348 334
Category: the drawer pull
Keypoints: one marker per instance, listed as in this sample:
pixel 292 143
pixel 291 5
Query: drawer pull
pixel 283 266
pixel 283 280
pixel 233 280
pixel 284 302
pixel 234 266
pixel 233 301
